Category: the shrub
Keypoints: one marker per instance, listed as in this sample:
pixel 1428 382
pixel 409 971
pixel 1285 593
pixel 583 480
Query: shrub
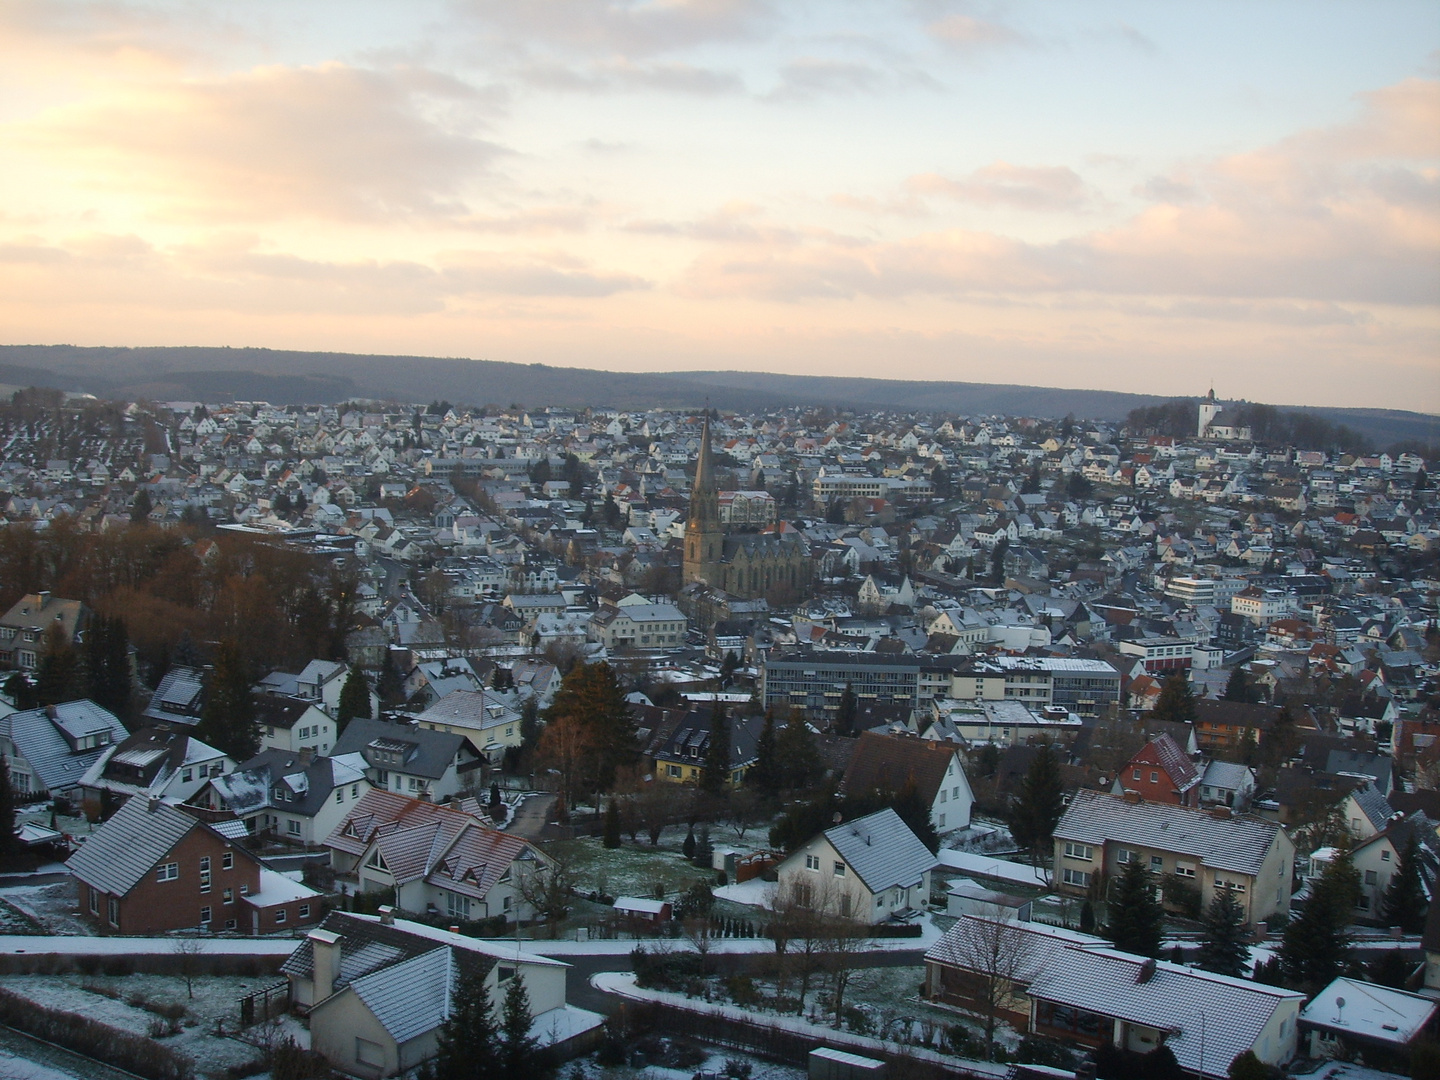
pixel 895 930
pixel 138 1055
pixel 742 990
pixel 1038 1050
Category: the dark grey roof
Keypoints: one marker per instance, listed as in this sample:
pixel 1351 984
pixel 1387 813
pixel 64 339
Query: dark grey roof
pixel 422 752
pixel 307 786
pixel 127 847
pixel 1238 844
pixel 47 738
pixel 368 945
pixel 177 699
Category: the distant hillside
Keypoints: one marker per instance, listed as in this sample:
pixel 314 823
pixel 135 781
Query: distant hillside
pixel 286 377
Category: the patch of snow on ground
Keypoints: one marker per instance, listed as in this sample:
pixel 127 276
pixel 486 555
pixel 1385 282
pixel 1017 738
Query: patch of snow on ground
pixel 18 1068
pixel 988 866
pixel 136 946
pixel 753 893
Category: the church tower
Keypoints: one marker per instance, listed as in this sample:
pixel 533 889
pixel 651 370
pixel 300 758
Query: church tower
pixel 1209 410
pixel 704 538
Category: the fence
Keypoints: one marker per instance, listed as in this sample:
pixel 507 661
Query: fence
pixel 260 1005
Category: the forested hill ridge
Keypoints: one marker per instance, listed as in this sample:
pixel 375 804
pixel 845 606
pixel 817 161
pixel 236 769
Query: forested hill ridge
pixel 294 377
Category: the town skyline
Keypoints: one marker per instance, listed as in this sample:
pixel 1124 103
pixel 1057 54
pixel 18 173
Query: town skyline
pixel 1118 196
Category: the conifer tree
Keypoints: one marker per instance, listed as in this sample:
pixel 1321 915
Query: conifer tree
pixel 1222 944
pixel 58 676
pixel 354 700
pixel 106 662
pixel 227 721
pixel 1176 703
pixel 799 760
pixel 1238 686
pixel 1039 804
pixel 591 694
pixel 764 775
pixel 466 1044
pixel 1404 903
pixel 1316 943
pixel 845 714
pixel 611 838
pixel 7 808
pixel 1137 919
pixel 519 1052
pixel 715 774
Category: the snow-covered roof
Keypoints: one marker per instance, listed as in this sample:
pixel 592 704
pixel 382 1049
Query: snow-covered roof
pixel 276 888
pixel 1370 1011
pixel 882 850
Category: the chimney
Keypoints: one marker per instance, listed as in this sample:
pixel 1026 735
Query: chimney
pixel 153 805
pixel 1147 972
pixel 387 915
pixel 326 964
pixel 453 929
pixel 307 755
pixel 1132 796
pixel 1221 812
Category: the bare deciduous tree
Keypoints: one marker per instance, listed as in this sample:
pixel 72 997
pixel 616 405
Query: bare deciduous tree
pixel 996 954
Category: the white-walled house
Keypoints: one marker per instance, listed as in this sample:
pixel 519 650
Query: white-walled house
pixel 869 870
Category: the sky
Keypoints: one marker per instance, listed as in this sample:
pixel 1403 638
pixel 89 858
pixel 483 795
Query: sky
pixel 1146 196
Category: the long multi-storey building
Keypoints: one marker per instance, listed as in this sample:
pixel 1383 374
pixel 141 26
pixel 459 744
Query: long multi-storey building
pixel 816 680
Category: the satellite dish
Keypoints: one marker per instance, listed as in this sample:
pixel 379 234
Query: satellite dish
pixel 1339 1002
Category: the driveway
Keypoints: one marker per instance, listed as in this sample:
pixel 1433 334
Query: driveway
pixel 532 820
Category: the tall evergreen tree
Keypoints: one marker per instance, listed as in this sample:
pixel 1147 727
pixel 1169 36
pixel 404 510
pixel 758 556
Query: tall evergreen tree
pixel 519 1053
pixel 106 655
pixel 799 760
pixel 1039 804
pixel 764 775
pixel 1404 904
pixel 7 808
pixel 1222 942
pixel 354 700
pixel 227 722
pixel 59 676
pixel 845 714
pixel 1176 702
pixel 1137 919
pixel 467 1041
pixel 611 837
pixel 591 693
pixel 21 693
pixel 391 684
pixel 1316 943
pixel 715 775
pixel 140 508
pixel 1237 687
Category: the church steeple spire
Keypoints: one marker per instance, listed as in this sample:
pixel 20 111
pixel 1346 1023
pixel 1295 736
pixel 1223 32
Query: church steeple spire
pixel 704 536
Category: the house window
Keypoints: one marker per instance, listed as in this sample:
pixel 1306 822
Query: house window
pixel 227 861
pixel 340 795
pixel 293 827
pixel 94 902
pixel 1079 851
pixel 205 915
pixel 845 905
pixel 1384 856
pixel 1135 775
pixel 1157 864
pixel 354 791
pixel 1184 870
pixel 369 1053
pixel 1371 877
pixel 456 906
pixel 839 869
pixel 167 872
pixel 1125 855
pixel 942 821
pixel 672 770
pixel 304 911
pixel 1078 878
pixel 812 862
pixel 943 794
pixel 244 890
pixel 113 911
pixel 279 916
pixel 228 896
pixel 1154 777
pixel 186 775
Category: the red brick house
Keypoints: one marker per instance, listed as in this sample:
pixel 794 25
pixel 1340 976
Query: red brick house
pixel 153 868
pixel 1161 772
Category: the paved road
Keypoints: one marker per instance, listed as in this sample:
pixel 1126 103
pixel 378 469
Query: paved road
pixel 532 820
pixel 578 990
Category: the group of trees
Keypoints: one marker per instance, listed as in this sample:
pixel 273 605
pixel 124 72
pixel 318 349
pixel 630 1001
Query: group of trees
pixel 167 585
pixel 475 1044
pixel 589 732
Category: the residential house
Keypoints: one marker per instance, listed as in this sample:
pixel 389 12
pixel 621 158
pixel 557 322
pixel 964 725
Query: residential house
pixel 1226 783
pixel 50 749
pixel 153 868
pixel 293 724
pixel 378 989
pixel 481 716
pixel 869 870
pixel 891 763
pixel 23 627
pixel 178 700
pixel 405 758
pixel 639 626
pixel 168 765
pixel 320 682
pixel 299 798
pixel 1377 859
pixel 1161 772
pixel 680 749
pixel 1352 1018
pixel 1209 849
pixel 1089 995
pixel 437 858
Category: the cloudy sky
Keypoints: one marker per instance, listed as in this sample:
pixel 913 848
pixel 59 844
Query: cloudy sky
pixel 1147 196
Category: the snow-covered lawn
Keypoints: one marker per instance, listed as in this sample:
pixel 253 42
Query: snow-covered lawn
pixel 53 906
pixel 127 946
pixel 216 1002
pixel 710 1061
pixel 629 870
